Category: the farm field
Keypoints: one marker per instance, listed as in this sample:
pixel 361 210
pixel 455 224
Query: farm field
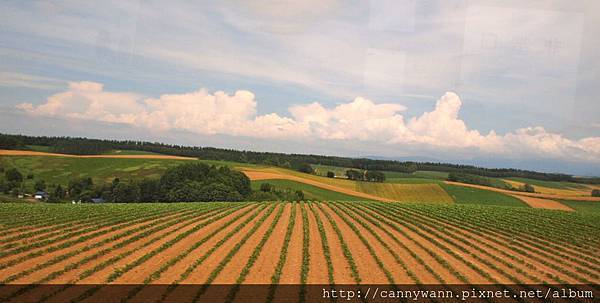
pixel 469 195
pixel 553 188
pixel 60 170
pixel 310 192
pixel 286 243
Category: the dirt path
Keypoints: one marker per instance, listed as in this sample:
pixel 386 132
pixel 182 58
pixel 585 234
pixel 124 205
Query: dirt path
pixel 521 194
pixel 7 152
pixel 259 175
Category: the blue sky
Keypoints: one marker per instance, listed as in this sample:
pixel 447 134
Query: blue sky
pixel 492 83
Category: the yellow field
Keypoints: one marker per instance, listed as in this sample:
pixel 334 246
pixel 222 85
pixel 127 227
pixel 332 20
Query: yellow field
pixel 553 191
pixel 431 193
pixel 387 191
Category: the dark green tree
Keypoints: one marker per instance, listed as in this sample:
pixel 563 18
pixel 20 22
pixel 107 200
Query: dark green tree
pixel 40 185
pixel 354 175
pixel 330 174
pixel 126 192
pixel 528 188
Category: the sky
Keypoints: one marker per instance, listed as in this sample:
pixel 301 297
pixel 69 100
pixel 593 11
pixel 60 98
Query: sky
pixel 490 83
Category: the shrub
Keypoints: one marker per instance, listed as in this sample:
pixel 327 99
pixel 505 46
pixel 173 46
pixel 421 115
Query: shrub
pixel 354 175
pixel 330 174
pixel 528 188
pixel 374 176
pixel 304 168
pixel 596 193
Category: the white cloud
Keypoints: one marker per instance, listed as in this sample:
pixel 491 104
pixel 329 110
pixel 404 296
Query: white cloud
pixel 362 119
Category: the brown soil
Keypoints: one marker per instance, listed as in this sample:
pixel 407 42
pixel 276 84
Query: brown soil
pixel 140 273
pixel 410 243
pixel 233 268
pixel 341 268
pixel 396 270
pixel 259 175
pixel 174 272
pixel 48 256
pixel 4 152
pixel 101 276
pixel 543 203
pixel 417 268
pixel 521 194
pixel 292 268
pixel 40 274
pixel 368 270
pixel 265 264
pixel 74 292
pixel 318 273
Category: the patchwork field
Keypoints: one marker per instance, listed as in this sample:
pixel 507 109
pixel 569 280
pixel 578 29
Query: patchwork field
pixel 286 243
pixel 310 192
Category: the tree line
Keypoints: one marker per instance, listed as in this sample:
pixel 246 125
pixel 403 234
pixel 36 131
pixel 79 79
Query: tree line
pixel 85 146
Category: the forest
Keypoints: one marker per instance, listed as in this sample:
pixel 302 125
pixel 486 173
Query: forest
pixel 85 146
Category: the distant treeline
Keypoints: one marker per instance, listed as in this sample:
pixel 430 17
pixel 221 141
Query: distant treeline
pixel 84 146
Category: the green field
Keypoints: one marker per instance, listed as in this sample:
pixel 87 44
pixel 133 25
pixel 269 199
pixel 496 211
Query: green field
pixel 550 184
pixel 310 192
pixel 60 170
pixel 425 193
pixel 468 195
pixel 582 206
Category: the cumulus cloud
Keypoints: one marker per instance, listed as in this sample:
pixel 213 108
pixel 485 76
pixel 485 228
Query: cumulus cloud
pixel 361 119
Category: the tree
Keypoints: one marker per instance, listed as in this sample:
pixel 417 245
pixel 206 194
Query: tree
pixel 596 193
pixel 304 168
pixel 330 174
pixel 126 192
pixel 150 190
pixel 300 195
pixel 78 186
pixel 374 176
pixel 354 175
pixel 13 175
pixel 528 188
pixel 59 192
pixel 40 185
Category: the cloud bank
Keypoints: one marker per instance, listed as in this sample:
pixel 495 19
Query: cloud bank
pixel 220 113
